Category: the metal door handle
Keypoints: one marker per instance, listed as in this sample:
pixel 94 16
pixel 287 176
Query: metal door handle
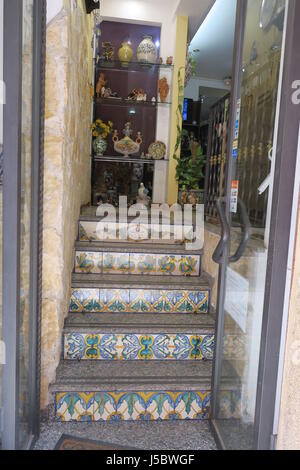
pixel 218 255
pixel 246 235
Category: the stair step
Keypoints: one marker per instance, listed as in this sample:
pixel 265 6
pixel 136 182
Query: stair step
pixel 117 260
pixel 115 281
pixel 173 323
pixel 132 391
pixel 118 376
pixel 92 229
pixel 89 213
pixel 138 247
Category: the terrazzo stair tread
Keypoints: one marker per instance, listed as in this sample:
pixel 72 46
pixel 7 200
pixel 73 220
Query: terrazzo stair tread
pixel 132 375
pixel 170 323
pixel 89 215
pixel 128 247
pixel 142 281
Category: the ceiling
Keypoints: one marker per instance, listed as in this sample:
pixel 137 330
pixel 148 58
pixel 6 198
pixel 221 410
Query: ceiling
pixel 215 40
pixel 196 10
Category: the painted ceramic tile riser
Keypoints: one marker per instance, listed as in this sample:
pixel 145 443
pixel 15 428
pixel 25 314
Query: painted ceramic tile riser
pixel 84 346
pixel 139 301
pixel 137 263
pixel 132 406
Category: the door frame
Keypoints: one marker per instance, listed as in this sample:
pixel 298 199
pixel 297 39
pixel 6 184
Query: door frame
pixel 12 55
pixel 279 242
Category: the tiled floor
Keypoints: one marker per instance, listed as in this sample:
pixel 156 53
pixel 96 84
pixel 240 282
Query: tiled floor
pixel 150 436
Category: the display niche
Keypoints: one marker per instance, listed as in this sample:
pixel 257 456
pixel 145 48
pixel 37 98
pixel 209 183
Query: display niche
pixel 131 83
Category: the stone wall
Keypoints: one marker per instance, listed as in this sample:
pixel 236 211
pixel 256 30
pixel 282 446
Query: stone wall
pixel 67 168
pixel 289 425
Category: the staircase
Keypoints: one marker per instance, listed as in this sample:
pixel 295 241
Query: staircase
pixel 138 342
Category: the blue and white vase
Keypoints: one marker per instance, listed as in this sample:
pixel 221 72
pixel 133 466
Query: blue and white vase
pixel 147 52
pixel 99 146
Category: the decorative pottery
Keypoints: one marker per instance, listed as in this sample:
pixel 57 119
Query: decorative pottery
pixel 108 51
pixel 147 52
pixel 163 89
pixel 157 150
pixel 99 146
pixel 125 54
pixel 192 196
pixel 127 146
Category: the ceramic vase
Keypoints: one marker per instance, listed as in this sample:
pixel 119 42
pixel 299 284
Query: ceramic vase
pixel 99 146
pixel 146 52
pixel 125 54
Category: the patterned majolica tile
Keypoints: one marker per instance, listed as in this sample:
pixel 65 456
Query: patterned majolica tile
pixel 116 263
pixel 136 263
pixel 166 264
pixel 88 262
pixel 143 263
pixel 189 265
pixel 85 300
pixel 114 300
pixel 83 346
pixel 139 301
pixel 132 406
pixel 75 406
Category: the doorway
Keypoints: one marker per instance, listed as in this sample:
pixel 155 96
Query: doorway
pixel 253 235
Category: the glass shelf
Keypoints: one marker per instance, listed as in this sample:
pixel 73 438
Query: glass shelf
pixel 121 159
pixel 119 66
pixel 130 103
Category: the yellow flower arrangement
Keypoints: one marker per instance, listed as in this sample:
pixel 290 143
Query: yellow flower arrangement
pixel 100 128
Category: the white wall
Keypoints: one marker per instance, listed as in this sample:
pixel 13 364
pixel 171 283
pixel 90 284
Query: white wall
pixel 192 90
pixel 158 13
pixel 53 7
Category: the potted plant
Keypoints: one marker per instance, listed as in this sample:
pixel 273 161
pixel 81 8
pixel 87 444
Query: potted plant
pixel 100 131
pixel 189 174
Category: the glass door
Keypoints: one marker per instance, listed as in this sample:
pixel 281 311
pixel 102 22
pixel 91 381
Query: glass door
pixel 245 215
pixel 23 47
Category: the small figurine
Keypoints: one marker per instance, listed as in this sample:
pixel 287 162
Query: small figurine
pixel 108 51
pixel 103 90
pixel 108 93
pixel 161 61
pixel 170 60
pixel 141 96
pixel 163 89
pixel 143 197
pixel 100 84
pixel 137 95
pixel 132 96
